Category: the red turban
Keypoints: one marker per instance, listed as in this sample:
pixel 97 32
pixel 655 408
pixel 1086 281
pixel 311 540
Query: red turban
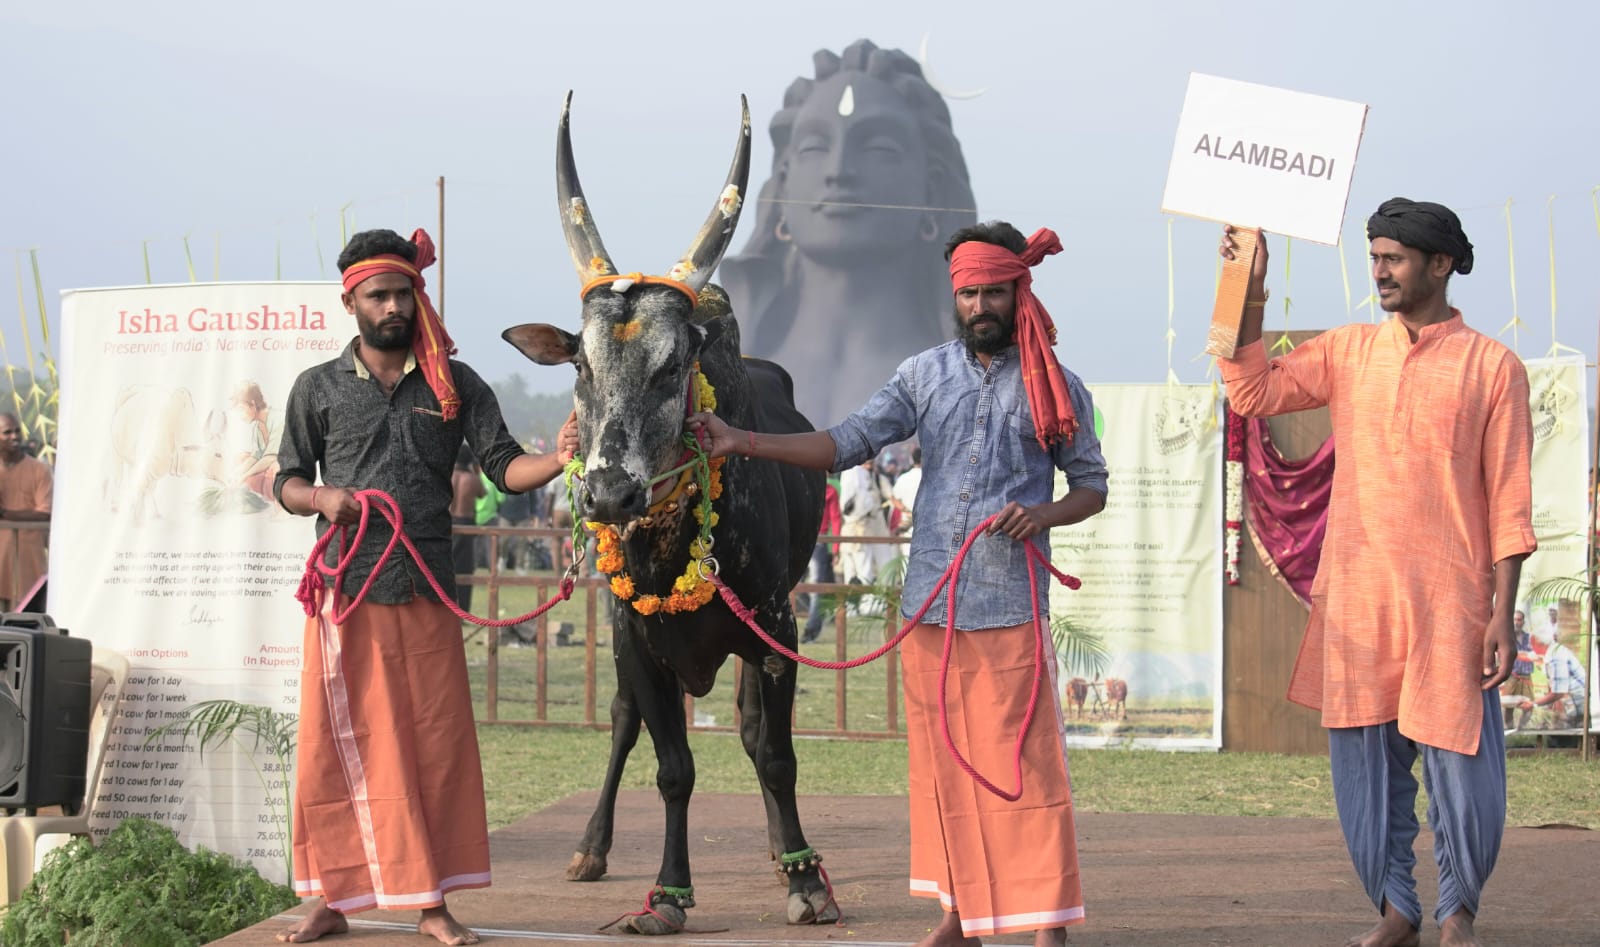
pixel 429 342
pixel 976 263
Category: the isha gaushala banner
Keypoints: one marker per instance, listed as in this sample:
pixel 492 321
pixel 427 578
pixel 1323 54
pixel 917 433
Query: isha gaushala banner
pixel 1151 565
pixel 167 546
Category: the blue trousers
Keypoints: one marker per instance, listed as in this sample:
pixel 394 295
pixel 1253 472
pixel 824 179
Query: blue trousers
pixel 1376 795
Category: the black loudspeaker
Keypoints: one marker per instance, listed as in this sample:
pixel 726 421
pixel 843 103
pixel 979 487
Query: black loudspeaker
pixel 44 713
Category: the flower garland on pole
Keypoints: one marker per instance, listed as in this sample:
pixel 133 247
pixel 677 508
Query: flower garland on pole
pixel 1233 497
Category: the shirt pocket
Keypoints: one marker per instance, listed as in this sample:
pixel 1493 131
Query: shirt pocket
pixel 1454 434
pixel 1018 448
pixel 433 440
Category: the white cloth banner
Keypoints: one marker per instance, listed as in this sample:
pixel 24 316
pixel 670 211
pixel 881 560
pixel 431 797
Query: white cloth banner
pixel 167 546
pixel 1151 565
pixel 1558 397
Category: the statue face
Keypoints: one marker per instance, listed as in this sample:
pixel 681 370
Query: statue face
pixel 855 142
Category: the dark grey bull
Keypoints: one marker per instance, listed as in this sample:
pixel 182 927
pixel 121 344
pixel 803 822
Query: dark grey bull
pixel 634 355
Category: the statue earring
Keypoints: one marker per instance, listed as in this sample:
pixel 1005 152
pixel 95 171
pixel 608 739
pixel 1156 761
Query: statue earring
pixel 781 231
pixel 929 231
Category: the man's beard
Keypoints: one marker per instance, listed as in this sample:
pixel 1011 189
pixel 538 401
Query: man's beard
pixel 987 344
pixel 388 338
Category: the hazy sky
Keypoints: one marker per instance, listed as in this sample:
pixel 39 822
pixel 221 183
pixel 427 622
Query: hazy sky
pixel 249 127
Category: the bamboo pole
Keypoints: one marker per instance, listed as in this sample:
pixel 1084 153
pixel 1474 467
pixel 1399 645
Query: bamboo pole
pixel 1589 564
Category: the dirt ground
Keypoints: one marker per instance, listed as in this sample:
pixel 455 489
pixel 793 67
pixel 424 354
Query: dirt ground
pixel 1172 881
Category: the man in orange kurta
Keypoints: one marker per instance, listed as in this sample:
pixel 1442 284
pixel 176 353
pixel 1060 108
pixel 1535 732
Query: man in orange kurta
pixel 1430 518
pixel 26 488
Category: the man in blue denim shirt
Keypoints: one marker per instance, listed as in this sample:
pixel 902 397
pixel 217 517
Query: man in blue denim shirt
pixel 991 445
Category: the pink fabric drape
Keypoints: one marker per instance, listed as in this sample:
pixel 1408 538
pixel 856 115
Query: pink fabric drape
pixel 1286 506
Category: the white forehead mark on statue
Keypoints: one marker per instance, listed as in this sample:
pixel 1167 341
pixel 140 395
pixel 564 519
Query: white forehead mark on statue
pixel 847 101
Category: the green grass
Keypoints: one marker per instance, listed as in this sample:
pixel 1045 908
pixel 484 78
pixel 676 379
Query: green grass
pixel 526 769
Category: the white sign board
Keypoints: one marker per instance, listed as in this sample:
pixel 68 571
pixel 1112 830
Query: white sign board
pixel 1257 156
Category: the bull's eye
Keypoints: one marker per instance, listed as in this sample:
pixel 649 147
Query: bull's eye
pixel 665 376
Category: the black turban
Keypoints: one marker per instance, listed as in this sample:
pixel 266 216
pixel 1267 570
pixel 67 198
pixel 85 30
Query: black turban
pixel 1431 228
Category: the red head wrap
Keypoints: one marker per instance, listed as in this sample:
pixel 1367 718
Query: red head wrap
pixel 429 342
pixel 976 263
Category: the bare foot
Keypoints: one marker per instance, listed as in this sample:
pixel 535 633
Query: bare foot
pixel 321 921
pixel 438 924
pixel 1050 937
pixel 1391 931
pixel 948 934
pixel 1456 931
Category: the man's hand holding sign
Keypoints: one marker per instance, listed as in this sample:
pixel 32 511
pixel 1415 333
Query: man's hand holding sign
pixel 1260 159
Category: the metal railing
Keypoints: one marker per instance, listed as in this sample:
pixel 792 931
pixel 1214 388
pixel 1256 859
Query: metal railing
pixel 593 596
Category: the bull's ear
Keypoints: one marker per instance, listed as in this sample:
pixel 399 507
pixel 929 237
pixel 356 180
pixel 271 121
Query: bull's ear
pixel 543 343
pixel 709 332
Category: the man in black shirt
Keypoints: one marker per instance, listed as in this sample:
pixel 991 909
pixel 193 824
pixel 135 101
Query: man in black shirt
pixel 389 809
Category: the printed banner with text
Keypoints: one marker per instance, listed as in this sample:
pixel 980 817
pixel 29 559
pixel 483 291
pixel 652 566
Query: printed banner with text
pixel 1151 567
pixel 167 545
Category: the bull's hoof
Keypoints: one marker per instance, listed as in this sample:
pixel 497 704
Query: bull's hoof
pixel 586 867
pixel 667 919
pixel 812 907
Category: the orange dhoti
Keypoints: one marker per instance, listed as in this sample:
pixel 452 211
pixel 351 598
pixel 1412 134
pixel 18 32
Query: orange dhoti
pixel 389 808
pixel 1005 866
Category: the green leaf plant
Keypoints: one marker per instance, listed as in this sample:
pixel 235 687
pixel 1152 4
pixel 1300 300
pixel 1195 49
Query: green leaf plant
pixel 139 888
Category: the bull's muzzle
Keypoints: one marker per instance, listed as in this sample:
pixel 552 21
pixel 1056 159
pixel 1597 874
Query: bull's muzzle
pixel 611 496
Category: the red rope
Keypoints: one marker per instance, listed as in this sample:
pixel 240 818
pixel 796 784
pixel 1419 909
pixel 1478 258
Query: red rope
pixel 949 578
pixel 313 586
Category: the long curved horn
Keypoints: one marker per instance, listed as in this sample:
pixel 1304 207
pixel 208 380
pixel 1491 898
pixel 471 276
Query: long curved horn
pixel 695 266
pixel 583 239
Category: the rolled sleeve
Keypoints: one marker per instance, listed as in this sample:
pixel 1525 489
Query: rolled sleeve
pixel 888 417
pixel 302 439
pixel 484 427
pixel 1082 460
pixel 1257 387
pixel 1507 464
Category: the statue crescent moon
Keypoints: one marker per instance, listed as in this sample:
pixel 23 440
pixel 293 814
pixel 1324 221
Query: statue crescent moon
pixel 933 83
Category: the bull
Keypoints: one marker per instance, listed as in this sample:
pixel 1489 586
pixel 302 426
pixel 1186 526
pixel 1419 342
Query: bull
pixel 1117 698
pixel 1077 693
pixel 636 355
